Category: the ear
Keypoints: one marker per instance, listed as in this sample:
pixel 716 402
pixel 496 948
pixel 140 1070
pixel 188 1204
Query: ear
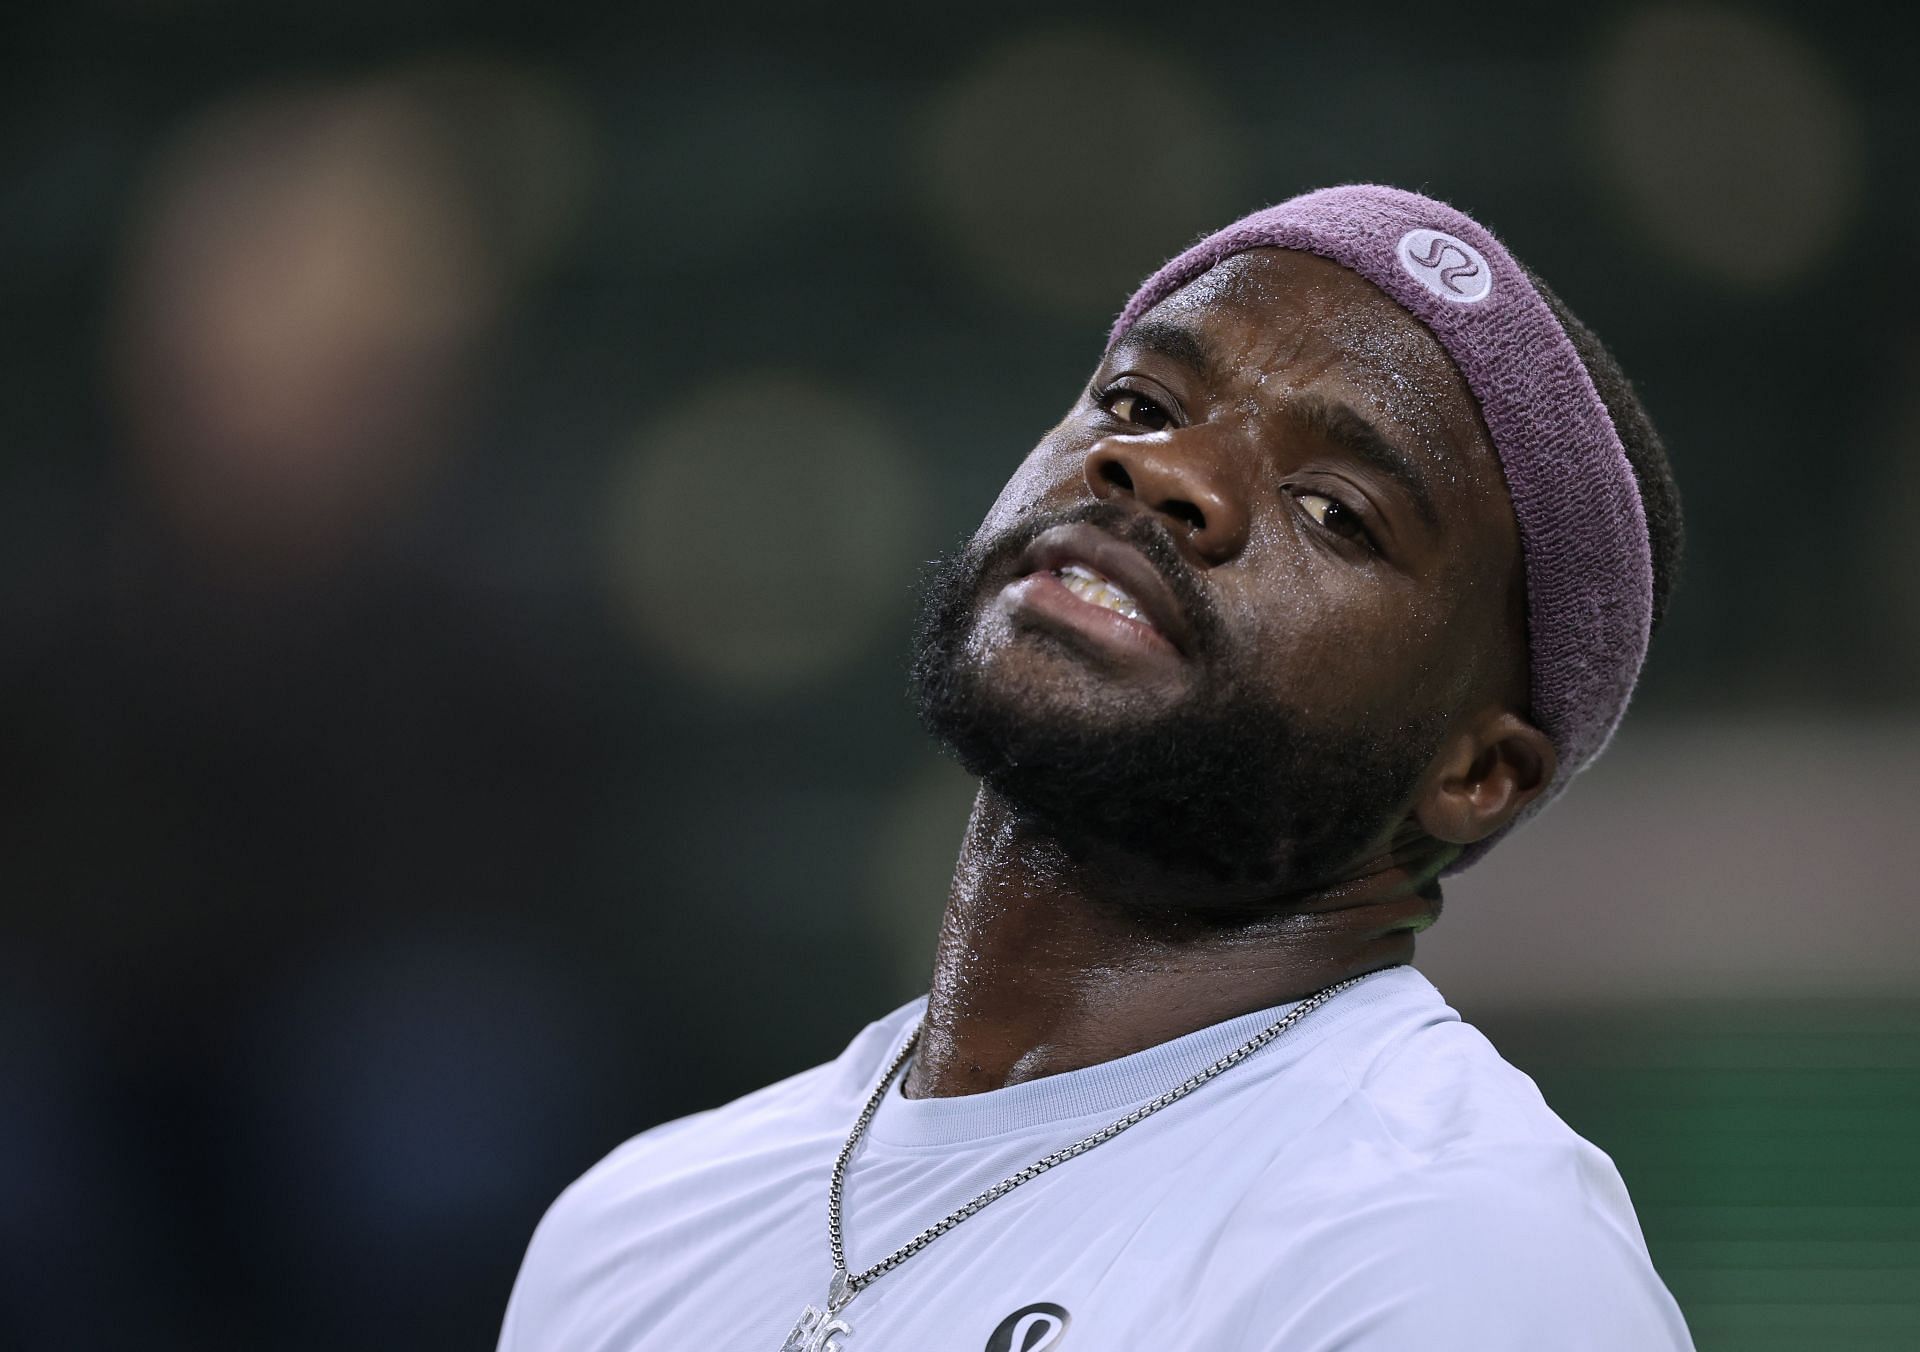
pixel 1484 775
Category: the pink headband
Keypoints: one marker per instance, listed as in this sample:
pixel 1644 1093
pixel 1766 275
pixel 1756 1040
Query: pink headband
pixel 1583 530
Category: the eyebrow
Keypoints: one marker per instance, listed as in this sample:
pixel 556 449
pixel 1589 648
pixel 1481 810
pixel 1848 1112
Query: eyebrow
pixel 1356 434
pixel 1176 342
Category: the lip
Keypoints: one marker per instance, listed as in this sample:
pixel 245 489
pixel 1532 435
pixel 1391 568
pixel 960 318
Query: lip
pixel 1123 565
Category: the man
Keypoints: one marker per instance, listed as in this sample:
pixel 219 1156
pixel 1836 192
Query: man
pixel 1345 561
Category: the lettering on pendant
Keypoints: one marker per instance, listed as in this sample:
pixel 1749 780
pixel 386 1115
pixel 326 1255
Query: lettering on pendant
pixel 816 1332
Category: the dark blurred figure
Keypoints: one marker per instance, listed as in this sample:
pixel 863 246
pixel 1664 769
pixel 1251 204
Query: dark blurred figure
pixel 285 805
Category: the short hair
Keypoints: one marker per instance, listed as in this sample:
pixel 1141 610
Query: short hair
pixel 1646 453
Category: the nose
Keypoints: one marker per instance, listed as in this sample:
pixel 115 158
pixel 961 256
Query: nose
pixel 1192 487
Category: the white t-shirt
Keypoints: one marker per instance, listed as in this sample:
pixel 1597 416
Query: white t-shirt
pixel 1375 1180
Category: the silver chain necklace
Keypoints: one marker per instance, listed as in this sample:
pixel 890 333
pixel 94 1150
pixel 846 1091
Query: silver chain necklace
pixel 817 1328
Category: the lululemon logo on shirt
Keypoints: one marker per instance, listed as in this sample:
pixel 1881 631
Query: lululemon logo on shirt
pixel 1449 267
pixel 1029 1329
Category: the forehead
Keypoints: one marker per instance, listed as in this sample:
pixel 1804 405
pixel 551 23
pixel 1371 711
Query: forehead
pixel 1279 322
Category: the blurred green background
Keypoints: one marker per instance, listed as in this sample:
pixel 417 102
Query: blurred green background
pixel 465 476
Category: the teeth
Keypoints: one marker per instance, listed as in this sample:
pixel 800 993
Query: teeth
pixel 1089 586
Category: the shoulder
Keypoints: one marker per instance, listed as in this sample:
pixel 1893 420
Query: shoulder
pixel 1466 1140
pixel 1476 1259
pixel 1517 1244
pixel 727 1155
pixel 1437 1089
pixel 792 1107
pixel 1469 1214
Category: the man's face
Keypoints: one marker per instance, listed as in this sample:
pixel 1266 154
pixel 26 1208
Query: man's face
pixel 1227 610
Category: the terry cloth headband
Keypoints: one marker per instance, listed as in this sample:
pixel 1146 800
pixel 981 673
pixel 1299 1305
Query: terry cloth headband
pixel 1583 530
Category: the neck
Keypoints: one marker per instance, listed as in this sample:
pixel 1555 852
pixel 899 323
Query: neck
pixel 1049 962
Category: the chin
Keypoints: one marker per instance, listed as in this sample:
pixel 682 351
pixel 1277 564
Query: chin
pixel 1056 676
pixel 1056 691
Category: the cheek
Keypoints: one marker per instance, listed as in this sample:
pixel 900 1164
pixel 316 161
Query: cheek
pixel 1334 638
pixel 1482 645
pixel 1431 648
pixel 1051 472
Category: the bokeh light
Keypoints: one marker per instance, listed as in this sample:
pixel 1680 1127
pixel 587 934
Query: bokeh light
pixel 310 285
pixel 1729 141
pixel 1064 166
pixel 763 530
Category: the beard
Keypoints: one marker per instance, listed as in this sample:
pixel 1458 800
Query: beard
pixel 1230 784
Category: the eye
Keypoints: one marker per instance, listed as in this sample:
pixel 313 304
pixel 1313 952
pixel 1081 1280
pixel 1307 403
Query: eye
pixel 1135 409
pixel 1335 515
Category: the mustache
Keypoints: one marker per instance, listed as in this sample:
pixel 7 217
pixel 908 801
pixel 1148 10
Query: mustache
pixel 1145 531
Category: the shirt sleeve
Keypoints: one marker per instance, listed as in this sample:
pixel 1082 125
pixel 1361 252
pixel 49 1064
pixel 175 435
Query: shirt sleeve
pixel 1536 1250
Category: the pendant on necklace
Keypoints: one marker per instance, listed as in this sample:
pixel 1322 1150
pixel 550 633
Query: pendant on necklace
pixel 820 1330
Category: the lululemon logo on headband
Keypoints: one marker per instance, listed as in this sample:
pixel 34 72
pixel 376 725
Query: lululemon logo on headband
pixel 1448 266
pixel 1029 1329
